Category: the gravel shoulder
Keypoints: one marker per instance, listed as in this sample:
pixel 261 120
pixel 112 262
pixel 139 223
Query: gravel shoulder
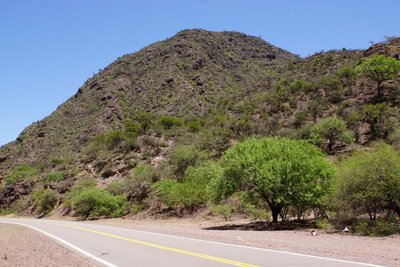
pixel 20 246
pixel 376 250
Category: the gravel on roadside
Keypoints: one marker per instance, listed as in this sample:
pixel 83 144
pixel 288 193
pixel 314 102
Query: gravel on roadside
pixel 23 247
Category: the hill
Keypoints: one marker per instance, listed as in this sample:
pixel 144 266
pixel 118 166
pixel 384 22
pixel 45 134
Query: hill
pixel 174 104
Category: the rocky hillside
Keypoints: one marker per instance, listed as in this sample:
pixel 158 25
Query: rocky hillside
pixel 198 90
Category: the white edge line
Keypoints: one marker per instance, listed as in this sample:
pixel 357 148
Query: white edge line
pixel 106 263
pixel 229 244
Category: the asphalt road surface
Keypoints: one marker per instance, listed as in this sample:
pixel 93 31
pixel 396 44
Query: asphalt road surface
pixel 114 246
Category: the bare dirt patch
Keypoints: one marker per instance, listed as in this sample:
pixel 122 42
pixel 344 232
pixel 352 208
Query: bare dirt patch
pixel 376 250
pixel 20 246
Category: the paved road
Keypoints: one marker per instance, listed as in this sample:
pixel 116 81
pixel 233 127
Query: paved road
pixel 113 246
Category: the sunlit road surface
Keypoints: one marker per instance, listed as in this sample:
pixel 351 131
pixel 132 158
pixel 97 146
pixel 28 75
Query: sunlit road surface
pixel 114 246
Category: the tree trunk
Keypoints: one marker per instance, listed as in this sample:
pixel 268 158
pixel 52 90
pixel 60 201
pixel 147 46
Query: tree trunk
pixel 275 214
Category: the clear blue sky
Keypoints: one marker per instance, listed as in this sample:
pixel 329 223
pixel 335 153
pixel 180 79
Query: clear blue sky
pixel 48 48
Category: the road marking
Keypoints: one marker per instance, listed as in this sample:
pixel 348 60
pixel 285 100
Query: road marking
pixel 235 245
pixel 106 263
pixel 167 248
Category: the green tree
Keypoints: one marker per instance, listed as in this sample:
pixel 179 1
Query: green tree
pixel 330 130
pixel 282 172
pixel 379 68
pixel 369 181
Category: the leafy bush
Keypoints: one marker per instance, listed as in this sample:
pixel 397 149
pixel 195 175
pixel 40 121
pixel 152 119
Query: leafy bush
pixel 183 156
pixel 168 122
pixel 20 173
pixel 45 200
pixel 194 126
pixel 92 202
pixel 347 76
pixel 369 181
pixel 379 227
pixel 256 213
pixel 137 186
pixel 300 86
pixel 116 188
pixel 224 210
pixel 192 192
pixel 323 223
pixel 54 176
pixel 333 88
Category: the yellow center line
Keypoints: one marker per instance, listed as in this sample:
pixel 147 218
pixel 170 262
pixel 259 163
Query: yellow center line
pixel 177 250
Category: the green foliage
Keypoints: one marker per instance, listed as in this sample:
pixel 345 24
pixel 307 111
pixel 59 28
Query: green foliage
pixel 115 140
pixel 323 223
pixel 333 89
pixel 183 156
pixel 21 173
pixel 92 202
pixel 316 108
pixel 374 113
pixel 300 86
pixel 215 141
pixel 137 186
pixel 379 227
pixel 224 210
pixel 379 68
pixel 194 126
pixel 116 188
pixel 347 76
pixel 330 130
pixel 369 181
pixel 380 116
pixel 300 118
pixel 168 122
pixel 54 176
pixel 282 172
pixel 45 200
pixel 192 192
pixel 145 119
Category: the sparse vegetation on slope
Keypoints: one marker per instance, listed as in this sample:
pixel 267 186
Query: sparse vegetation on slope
pixel 150 129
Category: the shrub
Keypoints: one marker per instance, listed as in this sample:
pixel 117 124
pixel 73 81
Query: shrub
pixel 168 122
pixel 183 156
pixel 54 176
pixel 94 202
pixel 45 200
pixel 192 192
pixel 116 188
pixel 20 173
pixel 369 181
pixel 347 76
pixel 323 223
pixel 300 119
pixel 194 126
pixel 224 210
pixel 256 213
pixel 138 184
pixel 300 86
pixel 379 227
pixel 333 88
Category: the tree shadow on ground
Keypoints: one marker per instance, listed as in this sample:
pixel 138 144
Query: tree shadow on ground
pixel 265 226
